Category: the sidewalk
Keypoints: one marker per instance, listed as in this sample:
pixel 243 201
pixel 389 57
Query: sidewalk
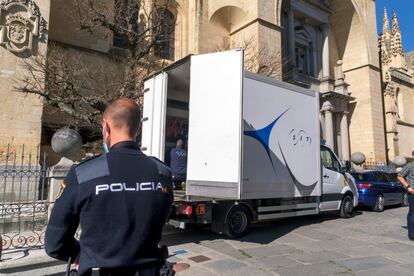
pixel 370 244
pixel 33 262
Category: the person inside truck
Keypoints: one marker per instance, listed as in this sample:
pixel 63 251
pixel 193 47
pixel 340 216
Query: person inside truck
pixel 178 164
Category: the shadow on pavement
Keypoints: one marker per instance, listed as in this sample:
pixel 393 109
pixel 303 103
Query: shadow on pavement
pixel 260 232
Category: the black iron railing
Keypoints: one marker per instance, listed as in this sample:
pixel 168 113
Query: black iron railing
pixel 24 205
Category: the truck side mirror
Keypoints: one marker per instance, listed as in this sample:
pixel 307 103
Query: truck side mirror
pixel 348 165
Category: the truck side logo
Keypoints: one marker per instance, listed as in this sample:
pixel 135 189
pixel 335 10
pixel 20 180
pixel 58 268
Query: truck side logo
pixel 298 138
pixel 263 136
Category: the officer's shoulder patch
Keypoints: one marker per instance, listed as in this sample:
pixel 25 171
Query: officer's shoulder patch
pixel 91 168
pixel 61 189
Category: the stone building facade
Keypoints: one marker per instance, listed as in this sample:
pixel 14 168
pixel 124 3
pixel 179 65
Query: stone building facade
pixel 398 89
pixel 329 46
pixel 23 32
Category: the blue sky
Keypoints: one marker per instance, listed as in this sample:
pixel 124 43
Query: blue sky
pixel 404 9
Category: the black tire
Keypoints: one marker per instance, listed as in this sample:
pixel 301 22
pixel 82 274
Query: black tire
pixel 237 222
pixel 404 201
pixel 379 204
pixel 347 207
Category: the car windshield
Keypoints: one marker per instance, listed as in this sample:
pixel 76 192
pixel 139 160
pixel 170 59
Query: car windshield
pixel 378 177
pixel 390 178
pixel 359 176
pixel 373 176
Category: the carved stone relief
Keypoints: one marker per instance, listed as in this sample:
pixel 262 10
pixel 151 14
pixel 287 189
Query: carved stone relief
pixel 389 90
pixel 21 25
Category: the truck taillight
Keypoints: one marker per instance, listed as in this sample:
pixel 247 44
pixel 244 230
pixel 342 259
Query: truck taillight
pixel 201 209
pixel 185 210
pixel 365 186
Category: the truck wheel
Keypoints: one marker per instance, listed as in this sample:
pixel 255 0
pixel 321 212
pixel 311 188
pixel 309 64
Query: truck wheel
pixel 379 204
pixel 237 222
pixel 347 207
pixel 404 202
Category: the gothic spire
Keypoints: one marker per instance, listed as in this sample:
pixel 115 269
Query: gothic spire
pixel 397 51
pixel 395 24
pixel 385 40
pixel 385 23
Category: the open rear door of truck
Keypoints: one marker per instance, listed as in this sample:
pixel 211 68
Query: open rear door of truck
pixel 215 125
pixel 154 115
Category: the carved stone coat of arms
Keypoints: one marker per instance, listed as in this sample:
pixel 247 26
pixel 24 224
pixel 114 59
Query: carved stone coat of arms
pixel 20 25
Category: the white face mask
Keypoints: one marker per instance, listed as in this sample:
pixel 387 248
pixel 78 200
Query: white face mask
pixel 105 147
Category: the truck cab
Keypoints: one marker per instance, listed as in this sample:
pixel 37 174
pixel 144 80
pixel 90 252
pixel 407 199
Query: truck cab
pixel 339 191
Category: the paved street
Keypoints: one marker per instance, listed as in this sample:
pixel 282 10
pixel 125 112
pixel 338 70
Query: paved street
pixel 368 244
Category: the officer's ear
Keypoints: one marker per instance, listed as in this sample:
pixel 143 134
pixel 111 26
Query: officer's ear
pixel 106 131
pixel 105 126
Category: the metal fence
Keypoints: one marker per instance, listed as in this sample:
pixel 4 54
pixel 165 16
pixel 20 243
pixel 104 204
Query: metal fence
pixel 380 166
pixel 24 205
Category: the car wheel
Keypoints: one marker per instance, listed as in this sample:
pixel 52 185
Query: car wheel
pixel 404 202
pixel 379 204
pixel 237 222
pixel 347 207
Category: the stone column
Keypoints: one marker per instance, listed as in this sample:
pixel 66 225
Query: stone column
pixel 322 124
pixel 345 136
pixel 57 174
pixel 194 13
pixel 327 108
pixel 337 134
pixel 325 51
pixel 291 36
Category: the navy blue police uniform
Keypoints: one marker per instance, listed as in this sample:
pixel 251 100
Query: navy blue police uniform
pixel 122 201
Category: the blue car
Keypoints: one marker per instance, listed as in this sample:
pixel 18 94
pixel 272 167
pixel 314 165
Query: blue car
pixel 378 189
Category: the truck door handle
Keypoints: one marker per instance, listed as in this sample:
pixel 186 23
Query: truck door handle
pixel 326 176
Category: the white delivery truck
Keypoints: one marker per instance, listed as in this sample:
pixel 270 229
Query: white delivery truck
pixel 254 150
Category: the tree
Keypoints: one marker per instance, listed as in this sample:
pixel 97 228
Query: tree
pixel 81 91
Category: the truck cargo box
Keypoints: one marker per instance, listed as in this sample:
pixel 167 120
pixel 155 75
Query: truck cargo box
pixel 248 136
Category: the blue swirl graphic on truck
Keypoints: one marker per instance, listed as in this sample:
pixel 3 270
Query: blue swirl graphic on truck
pixel 297 137
pixel 263 136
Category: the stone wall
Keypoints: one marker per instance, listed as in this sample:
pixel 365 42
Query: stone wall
pixel 20 115
pixel 405 139
pixel 65 27
pixel 405 125
pixel 367 121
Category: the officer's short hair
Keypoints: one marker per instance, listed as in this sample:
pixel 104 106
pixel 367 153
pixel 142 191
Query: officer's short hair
pixel 124 112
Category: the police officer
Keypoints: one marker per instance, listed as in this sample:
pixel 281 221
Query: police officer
pixel 406 177
pixel 121 199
